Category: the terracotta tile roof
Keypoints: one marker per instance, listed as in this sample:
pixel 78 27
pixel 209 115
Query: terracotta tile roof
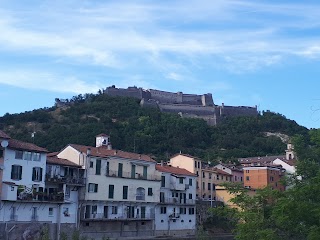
pixel 261 159
pixel 61 161
pixel 104 152
pixel 16 144
pixel 4 135
pixel 102 135
pixel 174 170
pixel 219 171
pixel 52 154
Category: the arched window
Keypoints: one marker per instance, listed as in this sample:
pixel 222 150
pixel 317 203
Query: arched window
pixel 141 193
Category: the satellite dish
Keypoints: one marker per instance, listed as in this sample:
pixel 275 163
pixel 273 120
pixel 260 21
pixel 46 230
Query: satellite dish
pixel 4 143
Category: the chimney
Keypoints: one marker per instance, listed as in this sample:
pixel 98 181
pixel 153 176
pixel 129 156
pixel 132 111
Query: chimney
pixel 88 151
pixel 109 147
pixel 115 152
pixel 161 163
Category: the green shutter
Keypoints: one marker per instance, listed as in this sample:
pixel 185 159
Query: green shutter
pixel 120 166
pixel 98 166
pixel 40 174
pixel 163 181
pixel 111 191
pixel 33 174
pixel 145 172
pixel 96 188
pixel 133 171
pixel 125 192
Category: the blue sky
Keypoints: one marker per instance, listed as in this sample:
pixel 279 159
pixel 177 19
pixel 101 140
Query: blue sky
pixel 264 53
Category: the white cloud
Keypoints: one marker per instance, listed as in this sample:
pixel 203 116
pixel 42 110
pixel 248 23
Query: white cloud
pixel 47 81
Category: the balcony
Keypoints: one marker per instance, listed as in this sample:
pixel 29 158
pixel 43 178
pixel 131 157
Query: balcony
pixel 28 195
pixel 119 217
pixel 177 201
pixel 131 176
pixel 66 180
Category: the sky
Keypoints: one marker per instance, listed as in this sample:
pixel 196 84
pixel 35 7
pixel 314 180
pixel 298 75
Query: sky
pixel 246 53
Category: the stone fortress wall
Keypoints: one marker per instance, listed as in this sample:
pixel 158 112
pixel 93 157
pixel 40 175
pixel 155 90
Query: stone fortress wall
pixel 186 105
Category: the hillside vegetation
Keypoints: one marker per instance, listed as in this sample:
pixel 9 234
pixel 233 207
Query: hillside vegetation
pixel 145 130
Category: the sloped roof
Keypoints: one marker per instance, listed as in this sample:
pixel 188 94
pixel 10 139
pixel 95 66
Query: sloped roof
pixel 105 152
pixel 4 135
pixel 19 145
pixel 261 159
pixel 174 170
pixel 221 172
pixel 61 161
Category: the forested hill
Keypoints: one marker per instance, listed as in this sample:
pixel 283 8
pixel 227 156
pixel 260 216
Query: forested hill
pixel 149 131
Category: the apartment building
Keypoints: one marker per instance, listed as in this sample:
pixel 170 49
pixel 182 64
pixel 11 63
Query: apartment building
pixel 207 176
pixel 262 176
pixel 176 212
pixel 235 171
pixel 122 189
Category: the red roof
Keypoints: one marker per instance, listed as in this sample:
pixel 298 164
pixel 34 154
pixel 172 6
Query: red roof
pixel 102 135
pixel 104 152
pixel 61 161
pixel 221 172
pixel 4 135
pixel 174 170
pixel 16 144
pixel 52 154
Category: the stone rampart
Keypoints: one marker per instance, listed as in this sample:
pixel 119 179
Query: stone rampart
pixel 190 109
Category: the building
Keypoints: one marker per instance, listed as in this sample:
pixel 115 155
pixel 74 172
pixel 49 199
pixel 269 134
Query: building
pixel 207 176
pixel 176 212
pixel 235 171
pixel 36 190
pixel 122 189
pixel 263 176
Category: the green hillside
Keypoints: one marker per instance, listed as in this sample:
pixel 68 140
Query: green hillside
pixel 149 131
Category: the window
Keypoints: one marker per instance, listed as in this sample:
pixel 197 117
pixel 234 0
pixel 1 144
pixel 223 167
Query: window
pixel 120 168
pixel 247 171
pixel 218 177
pixel 191 211
pixel 143 212
pixel 247 178
pixel 271 179
pixel 94 209
pixel 140 194
pixel 163 181
pixel 183 210
pixel 16 172
pixel 98 166
pixel 111 191
pixel 190 195
pixel 91 164
pixel 209 186
pixel 107 169
pixel 66 212
pixel 198 164
pixel 162 197
pixel 133 171
pixel 1 153
pixel 195 164
pixel 125 192
pixel 18 155
pixel 181 180
pixel 13 216
pixel 222 177
pixel 163 210
pixel 36 157
pixel 235 178
pixel 145 172
pixel 190 181
pixel 203 174
pixel 114 210
pixel 150 191
pixel 210 175
pixel 203 186
pixel 37 174
pixel 241 179
pixel 197 185
pixel 197 174
pixel 34 214
pixel 92 187
pixel 27 156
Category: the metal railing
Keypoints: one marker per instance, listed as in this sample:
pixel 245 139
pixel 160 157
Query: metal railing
pixel 103 217
pixel 120 174
pixel 69 180
pixel 177 201
pixel 41 196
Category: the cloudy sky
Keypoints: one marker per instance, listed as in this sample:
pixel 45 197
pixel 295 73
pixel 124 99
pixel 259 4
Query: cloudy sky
pixel 264 53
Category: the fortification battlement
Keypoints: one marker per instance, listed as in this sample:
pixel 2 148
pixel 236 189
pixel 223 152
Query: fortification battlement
pixel 161 96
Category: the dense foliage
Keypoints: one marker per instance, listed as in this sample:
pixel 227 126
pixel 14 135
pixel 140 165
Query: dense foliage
pixel 146 130
pixel 270 214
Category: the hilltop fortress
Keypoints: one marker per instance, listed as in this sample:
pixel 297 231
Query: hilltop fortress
pixel 186 105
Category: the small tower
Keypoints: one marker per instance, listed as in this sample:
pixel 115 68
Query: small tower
pixel 103 140
pixel 290 152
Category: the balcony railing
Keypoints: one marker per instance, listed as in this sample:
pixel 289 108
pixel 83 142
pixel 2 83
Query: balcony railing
pixel 132 176
pixel 177 201
pixel 13 217
pixel 67 180
pixel 103 217
pixel 41 196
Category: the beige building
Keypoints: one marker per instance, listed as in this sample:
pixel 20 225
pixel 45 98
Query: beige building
pixel 122 189
pixel 207 176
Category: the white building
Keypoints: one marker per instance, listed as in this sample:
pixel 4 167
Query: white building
pixel 27 195
pixel 176 212
pixel 122 189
